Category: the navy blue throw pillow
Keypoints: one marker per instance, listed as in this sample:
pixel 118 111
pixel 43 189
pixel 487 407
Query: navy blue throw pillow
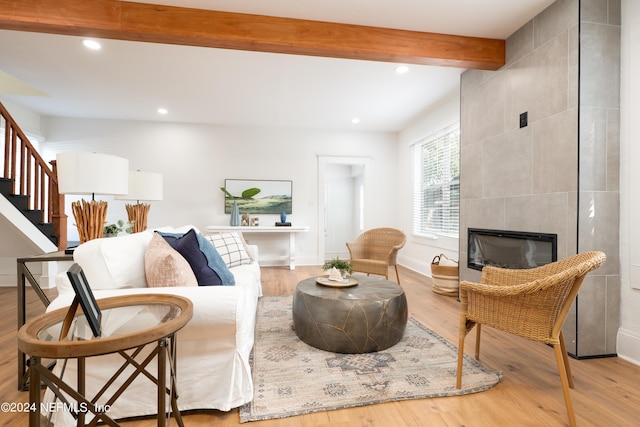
pixel 214 260
pixel 188 247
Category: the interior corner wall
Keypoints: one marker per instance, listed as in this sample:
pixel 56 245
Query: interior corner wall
pixel 559 173
pixel 195 159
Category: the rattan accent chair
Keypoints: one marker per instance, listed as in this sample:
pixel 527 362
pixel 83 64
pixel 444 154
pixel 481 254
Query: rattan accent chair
pixel 375 250
pixel 531 303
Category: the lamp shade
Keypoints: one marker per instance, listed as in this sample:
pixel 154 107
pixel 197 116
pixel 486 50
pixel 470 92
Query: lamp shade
pixel 92 173
pixel 143 186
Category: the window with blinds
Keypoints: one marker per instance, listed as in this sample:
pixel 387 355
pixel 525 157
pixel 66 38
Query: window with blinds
pixel 436 183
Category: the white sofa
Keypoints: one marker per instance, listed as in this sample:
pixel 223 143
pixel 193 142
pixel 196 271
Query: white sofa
pixel 213 348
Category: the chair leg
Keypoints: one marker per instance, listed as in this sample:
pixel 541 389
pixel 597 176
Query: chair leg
pixel 463 334
pixel 397 274
pixel 565 357
pixel 560 359
pixel 478 341
pixel 460 358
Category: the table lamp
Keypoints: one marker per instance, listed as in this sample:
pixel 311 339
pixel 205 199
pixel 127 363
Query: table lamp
pixel 142 186
pixel 91 173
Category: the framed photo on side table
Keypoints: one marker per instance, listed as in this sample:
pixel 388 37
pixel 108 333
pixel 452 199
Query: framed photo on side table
pixel 87 302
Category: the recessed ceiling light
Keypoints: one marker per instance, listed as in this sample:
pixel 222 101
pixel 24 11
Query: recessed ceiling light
pixel 91 44
pixel 163 111
pixel 355 121
pixel 402 69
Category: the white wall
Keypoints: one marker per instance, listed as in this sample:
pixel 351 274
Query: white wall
pixel 628 343
pixel 28 121
pixel 195 160
pixel 420 251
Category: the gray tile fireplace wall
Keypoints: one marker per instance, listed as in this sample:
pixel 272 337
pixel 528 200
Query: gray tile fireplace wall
pixel 560 173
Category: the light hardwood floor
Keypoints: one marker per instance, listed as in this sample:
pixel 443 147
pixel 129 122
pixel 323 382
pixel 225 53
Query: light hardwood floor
pixel 607 391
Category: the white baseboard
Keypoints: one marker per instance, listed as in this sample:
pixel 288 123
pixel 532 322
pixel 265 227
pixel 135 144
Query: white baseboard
pixel 628 346
pixel 418 265
pixel 45 273
pixel 8 280
pixel 267 261
pixel 8 276
pixel 11 282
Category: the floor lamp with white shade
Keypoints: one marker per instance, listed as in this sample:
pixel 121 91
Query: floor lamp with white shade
pixel 142 186
pixel 85 173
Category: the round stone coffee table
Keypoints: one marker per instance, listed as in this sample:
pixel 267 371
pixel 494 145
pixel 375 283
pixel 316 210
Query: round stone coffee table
pixel 360 319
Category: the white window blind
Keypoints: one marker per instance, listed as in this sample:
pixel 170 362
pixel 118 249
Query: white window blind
pixel 436 183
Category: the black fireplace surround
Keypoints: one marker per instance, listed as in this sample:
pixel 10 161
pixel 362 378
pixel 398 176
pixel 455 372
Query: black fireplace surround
pixel 510 249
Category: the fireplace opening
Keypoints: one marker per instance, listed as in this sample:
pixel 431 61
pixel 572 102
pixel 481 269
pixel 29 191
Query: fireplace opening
pixel 510 249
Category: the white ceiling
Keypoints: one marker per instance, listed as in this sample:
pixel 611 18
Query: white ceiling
pixel 130 80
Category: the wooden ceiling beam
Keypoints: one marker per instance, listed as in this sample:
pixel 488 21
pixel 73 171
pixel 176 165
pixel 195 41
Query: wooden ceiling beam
pixel 143 22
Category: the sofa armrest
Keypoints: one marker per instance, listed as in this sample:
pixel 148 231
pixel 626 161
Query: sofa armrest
pixel 253 252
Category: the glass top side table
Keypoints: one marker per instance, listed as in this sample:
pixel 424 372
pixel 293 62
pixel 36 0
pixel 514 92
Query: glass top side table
pixel 128 322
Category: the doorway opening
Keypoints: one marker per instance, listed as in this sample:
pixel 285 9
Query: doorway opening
pixel 341 204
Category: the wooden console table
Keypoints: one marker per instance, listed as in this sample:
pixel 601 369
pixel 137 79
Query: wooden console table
pixel 266 229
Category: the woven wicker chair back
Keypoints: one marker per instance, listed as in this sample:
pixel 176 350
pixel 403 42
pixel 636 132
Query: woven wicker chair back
pixel 531 303
pixel 375 250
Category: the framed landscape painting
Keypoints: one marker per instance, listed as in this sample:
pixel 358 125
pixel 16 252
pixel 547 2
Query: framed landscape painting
pixel 273 198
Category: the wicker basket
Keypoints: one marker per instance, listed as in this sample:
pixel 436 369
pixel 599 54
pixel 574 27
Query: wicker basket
pixel 444 277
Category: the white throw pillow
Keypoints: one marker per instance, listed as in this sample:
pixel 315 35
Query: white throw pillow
pixel 114 262
pixel 230 246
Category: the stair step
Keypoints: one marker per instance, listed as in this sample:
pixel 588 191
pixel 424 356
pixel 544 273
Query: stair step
pixel 47 230
pixel 19 201
pixel 46 227
pixel 6 186
pixel 34 216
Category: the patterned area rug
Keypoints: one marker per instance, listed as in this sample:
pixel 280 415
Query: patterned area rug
pixel 293 378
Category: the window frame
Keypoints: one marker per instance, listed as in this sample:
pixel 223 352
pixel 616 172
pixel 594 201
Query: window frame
pixel 445 177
